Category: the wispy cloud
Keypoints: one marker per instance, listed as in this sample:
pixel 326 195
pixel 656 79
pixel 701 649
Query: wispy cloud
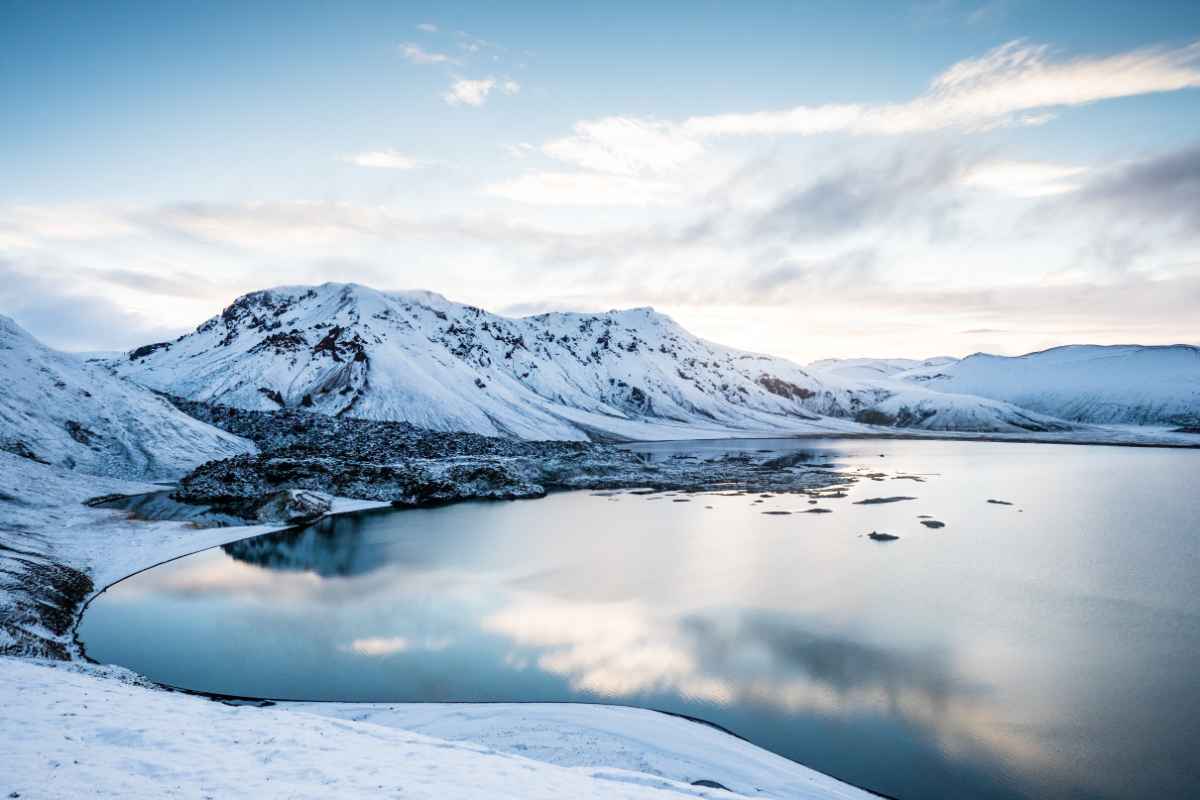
pixel 1025 178
pixel 994 89
pixel 474 92
pixel 1161 190
pixel 624 146
pixel 1018 83
pixel 419 55
pixel 520 149
pixel 376 646
pixel 384 159
pixel 584 189
pixel 427 27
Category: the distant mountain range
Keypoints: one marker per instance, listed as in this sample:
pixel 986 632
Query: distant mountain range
pixel 346 349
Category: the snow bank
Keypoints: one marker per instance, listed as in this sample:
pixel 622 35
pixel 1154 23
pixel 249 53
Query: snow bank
pixel 83 734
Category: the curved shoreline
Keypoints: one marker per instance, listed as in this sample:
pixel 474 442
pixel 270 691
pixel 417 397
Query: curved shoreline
pixel 80 651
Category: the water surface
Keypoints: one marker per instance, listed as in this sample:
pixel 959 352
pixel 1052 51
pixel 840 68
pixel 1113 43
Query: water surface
pixel 1048 648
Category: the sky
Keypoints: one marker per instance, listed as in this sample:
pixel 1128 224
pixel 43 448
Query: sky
pixel 807 179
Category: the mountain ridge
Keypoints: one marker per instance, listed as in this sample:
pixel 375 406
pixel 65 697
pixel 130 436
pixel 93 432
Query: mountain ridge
pixel 416 356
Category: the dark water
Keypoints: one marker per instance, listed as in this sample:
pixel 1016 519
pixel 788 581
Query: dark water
pixel 1049 648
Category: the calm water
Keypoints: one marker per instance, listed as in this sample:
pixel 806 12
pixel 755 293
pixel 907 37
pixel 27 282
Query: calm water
pixel 1049 648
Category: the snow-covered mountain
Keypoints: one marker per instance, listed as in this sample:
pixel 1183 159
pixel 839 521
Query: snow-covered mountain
pixel 345 349
pixel 59 410
pixel 1120 384
pixel 874 368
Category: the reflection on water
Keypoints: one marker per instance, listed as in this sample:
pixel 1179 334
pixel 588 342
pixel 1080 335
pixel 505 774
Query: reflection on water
pixel 1043 649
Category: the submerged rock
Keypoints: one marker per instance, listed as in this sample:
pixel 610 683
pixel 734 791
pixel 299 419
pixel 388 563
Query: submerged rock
pixel 873 501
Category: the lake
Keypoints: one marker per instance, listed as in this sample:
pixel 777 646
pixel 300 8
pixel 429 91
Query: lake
pixel 1049 648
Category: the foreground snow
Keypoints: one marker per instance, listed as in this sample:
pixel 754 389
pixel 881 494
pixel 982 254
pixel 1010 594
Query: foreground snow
pixel 87 732
pixel 77 730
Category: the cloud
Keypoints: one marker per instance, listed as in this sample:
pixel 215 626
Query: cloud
pixel 376 646
pixel 384 159
pixel 520 149
pixel 50 305
pixel 857 197
pixel 624 146
pixel 584 189
pixel 1018 83
pixel 1025 178
pixel 1161 190
pixel 418 55
pixel 791 279
pixel 997 88
pixel 465 91
pixel 427 27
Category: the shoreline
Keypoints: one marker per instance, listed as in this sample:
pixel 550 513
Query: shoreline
pixel 253 701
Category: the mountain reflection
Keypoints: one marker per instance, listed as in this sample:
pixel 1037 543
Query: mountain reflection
pixel 334 547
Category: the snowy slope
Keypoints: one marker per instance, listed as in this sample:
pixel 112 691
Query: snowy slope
pixel 418 357
pixel 60 410
pixel 1122 384
pixel 873 368
pixel 94 732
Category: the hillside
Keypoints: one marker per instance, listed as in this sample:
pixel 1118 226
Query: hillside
pixel 1121 384
pixel 56 409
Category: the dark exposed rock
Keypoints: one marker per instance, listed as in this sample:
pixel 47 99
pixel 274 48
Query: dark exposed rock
pixel 932 523
pixel 80 432
pixel 41 608
pixel 145 350
pixel 782 388
pixel 1000 502
pixel 409 466
pixel 19 448
pixel 706 783
pixel 272 395
pixel 293 506
pixel 882 537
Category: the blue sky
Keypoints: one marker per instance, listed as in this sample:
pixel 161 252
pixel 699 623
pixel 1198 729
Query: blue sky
pixel 809 179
